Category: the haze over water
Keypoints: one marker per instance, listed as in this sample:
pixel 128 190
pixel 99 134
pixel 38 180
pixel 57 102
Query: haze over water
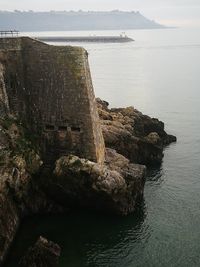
pixel 159 75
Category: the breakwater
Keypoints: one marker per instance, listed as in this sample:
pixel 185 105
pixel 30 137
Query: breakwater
pixel 87 39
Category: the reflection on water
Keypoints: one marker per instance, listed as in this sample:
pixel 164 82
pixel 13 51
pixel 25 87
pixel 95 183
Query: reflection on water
pixel 86 238
pixel 89 238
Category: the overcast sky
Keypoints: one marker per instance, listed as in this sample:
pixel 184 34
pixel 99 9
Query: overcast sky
pixel 171 12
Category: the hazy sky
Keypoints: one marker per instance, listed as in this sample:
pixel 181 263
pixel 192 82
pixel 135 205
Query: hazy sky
pixel 171 12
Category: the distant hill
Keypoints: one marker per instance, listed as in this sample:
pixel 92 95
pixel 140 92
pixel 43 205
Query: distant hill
pixel 72 21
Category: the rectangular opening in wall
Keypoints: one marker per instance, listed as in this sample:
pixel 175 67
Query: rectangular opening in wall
pixel 75 129
pixel 62 128
pixel 49 127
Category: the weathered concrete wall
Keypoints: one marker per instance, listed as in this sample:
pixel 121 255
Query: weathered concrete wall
pixel 50 88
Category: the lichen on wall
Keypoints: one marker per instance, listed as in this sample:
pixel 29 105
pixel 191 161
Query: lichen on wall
pixel 50 89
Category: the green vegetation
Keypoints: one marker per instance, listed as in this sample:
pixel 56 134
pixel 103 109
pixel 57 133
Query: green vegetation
pixel 20 144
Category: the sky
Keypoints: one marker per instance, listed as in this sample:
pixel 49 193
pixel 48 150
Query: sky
pixel 168 12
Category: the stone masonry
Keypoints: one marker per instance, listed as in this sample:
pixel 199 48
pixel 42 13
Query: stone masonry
pixel 50 89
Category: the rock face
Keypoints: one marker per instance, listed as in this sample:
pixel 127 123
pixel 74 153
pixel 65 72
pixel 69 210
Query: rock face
pixel 114 187
pixel 132 134
pixel 14 182
pixel 43 254
pixel 19 191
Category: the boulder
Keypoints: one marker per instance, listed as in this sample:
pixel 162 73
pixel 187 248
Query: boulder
pixel 114 187
pixel 43 254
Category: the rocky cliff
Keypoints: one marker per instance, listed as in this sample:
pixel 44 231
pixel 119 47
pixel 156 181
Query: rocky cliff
pixel 133 134
pixel 52 152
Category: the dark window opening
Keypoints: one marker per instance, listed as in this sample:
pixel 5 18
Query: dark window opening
pixel 62 128
pixel 75 129
pixel 50 127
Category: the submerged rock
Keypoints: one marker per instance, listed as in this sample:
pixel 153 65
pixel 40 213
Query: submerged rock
pixel 132 134
pixel 43 254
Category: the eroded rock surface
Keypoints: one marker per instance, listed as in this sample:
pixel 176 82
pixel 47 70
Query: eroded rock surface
pixel 132 134
pixel 43 254
pixel 20 194
pixel 114 187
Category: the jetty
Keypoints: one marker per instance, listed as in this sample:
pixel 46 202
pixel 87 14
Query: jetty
pixel 122 38
pixel 86 39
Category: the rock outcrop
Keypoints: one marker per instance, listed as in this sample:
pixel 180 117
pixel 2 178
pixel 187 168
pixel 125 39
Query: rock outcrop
pixel 113 187
pixel 134 135
pixel 19 191
pixel 43 254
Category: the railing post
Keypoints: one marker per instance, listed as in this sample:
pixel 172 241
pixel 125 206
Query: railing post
pixel 12 33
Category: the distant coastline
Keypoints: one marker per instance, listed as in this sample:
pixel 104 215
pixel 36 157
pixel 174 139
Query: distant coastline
pixel 75 21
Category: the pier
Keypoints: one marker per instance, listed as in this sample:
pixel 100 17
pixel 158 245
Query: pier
pixel 86 39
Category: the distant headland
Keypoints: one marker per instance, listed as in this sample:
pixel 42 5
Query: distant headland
pixel 75 20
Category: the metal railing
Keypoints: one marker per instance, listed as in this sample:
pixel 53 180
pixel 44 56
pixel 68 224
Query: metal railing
pixel 11 33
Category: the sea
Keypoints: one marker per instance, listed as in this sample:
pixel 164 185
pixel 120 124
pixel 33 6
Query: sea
pixel 159 74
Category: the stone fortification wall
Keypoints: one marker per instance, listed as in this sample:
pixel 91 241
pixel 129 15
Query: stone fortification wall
pixel 50 88
pixel 10 43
